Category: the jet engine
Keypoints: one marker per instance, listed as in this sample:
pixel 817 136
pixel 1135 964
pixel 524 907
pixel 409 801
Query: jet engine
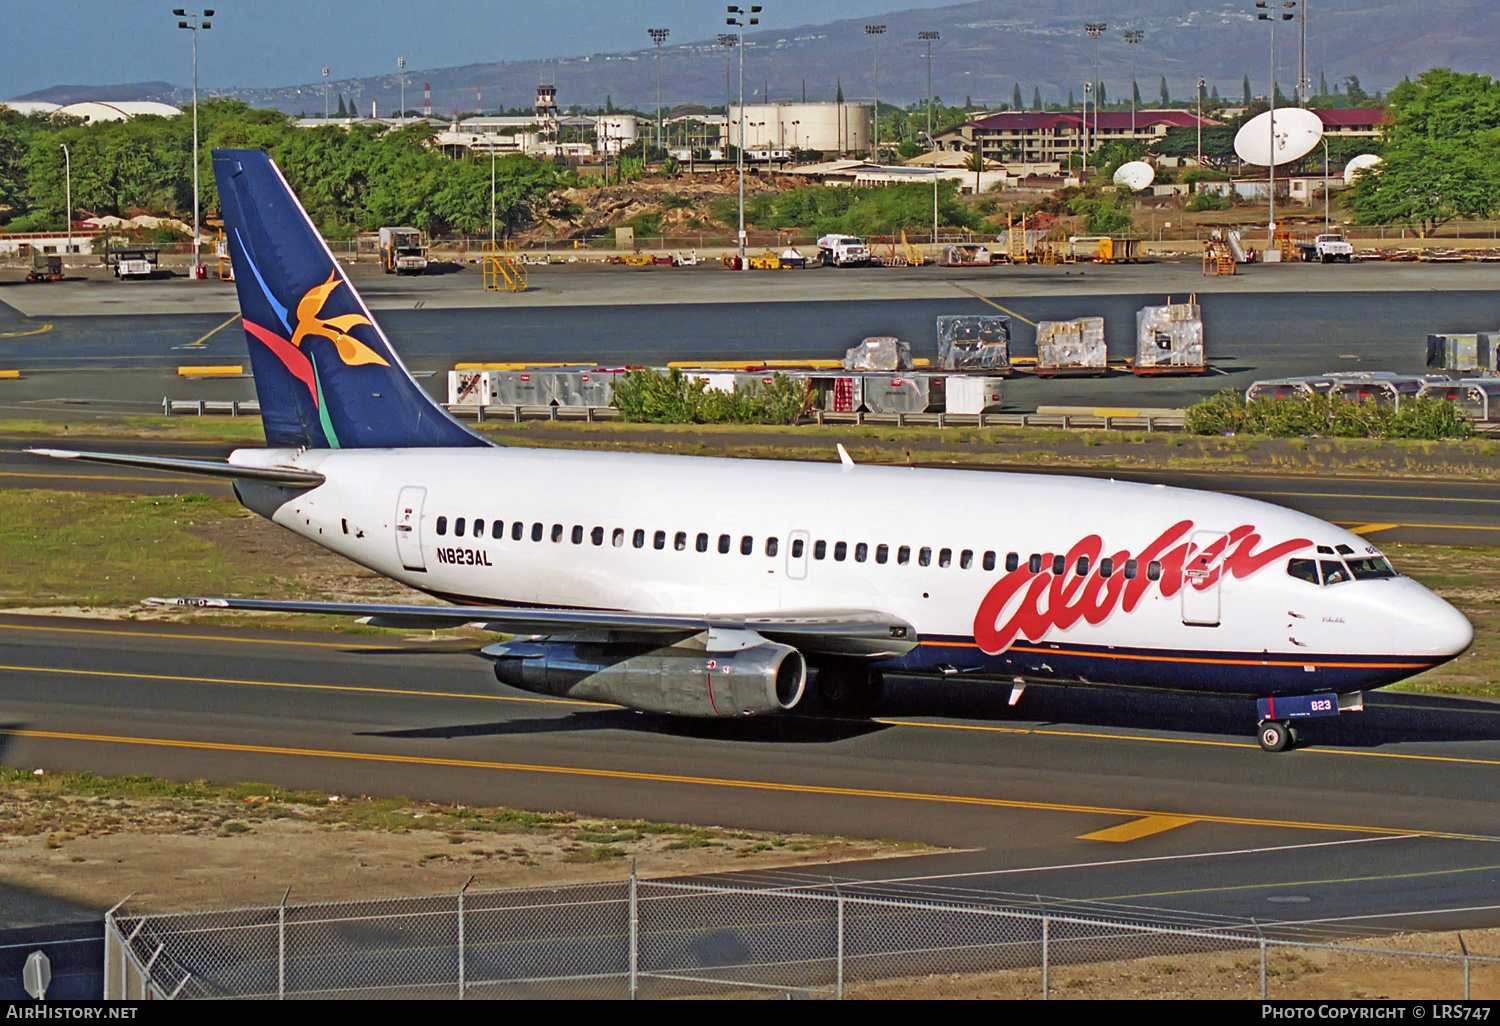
pixel 753 680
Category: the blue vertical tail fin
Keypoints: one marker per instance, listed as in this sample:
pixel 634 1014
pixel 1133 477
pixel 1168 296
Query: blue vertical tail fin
pixel 325 374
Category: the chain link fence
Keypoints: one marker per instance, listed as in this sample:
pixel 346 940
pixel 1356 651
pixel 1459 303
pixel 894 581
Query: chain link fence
pixel 664 939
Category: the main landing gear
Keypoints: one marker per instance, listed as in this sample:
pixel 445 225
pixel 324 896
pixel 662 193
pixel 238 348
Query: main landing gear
pixel 847 689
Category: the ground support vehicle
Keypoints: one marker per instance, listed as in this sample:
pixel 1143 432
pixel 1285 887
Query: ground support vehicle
pixel 1326 248
pixel 843 251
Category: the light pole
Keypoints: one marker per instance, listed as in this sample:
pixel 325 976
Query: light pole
pixel 933 145
pixel 325 94
pixel 740 17
pixel 401 69
pixel 68 178
pixel 658 36
pixel 1201 83
pixel 492 192
pixel 1303 83
pixel 1088 87
pixel 1271 11
pixel 1095 29
pixel 1133 36
pixel 875 32
pixel 1326 212
pixel 928 37
pixel 193 22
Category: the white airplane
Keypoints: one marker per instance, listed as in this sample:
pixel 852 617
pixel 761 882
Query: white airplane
pixel 708 587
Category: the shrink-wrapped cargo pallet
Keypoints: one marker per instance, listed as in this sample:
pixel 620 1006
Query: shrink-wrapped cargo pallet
pixel 974 342
pixel 1071 347
pixel 1169 340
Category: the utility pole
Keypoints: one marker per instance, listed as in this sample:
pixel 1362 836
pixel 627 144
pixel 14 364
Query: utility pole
pixel 739 17
pixel 1088 87
pixel 325 94
pixel 1095 29
pixel 68 179
pixel 193 22
pixel 1201 83
pixel 1303 83
pixel 1133 37
pixel 1271 11
pixel 928 37
pixel 401 68
pixel 875 32
pixel 658 36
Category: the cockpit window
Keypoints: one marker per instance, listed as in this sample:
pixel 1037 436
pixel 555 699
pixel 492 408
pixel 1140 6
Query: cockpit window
pixel 1371 568
pixel 1334 572
pixel 1303 570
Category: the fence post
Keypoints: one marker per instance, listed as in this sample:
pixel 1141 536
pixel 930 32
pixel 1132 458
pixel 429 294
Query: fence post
pixel 1046 932
pixel 1465 949
pixel 281 947
pixel 461 891
pixel 634 931
pixel 1262 958
pixel 838 980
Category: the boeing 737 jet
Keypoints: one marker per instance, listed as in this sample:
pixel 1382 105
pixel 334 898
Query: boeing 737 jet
pixel 715 587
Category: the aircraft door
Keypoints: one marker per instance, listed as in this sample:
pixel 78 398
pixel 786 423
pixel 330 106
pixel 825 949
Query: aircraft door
pixel 1200 603
pixel 409 528
pixel 796 555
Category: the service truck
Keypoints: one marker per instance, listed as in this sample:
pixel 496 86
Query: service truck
pixel 132 263
pixel 1327 247
pixel 843 251
pixel 403 251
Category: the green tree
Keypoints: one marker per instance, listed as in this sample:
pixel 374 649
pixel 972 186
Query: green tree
pixel 1249 97
pixel 1015 98
pixel 1036 97
pixel 1357 96
pixel 1166 97
pixel 342 112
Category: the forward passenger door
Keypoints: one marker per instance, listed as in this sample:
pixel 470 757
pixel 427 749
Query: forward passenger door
pixel 409 528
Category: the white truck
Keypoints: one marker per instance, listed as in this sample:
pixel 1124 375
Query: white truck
pixel 1326 248
pixel 843 251
pixel 403 251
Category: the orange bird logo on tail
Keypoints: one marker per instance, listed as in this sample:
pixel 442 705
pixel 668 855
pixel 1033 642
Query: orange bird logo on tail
pixel 336 329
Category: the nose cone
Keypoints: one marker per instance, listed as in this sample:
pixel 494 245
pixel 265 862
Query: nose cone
pixel 1425 625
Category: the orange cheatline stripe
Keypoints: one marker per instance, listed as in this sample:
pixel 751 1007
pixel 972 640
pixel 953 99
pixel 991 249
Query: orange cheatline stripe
pixel 721 782
pixel 1288 660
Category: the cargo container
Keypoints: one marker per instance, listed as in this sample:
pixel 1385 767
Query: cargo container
pixel 904 393
pixel 1169 339
pixel 973 393
pixel 974 342
pixel 1071 347
pixel 1385 390
pixel 1478 398
pixel 1473 352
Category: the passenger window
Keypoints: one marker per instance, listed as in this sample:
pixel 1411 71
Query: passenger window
pixel 882 553
pixel 840 551
pixel 617 537
pixel 797 548
pixel 478 528
pixel 1153 570
pixel 820 549
pixel 1012 561
pixel 1034 564
pixel 597 536
pixel 966 559
pixel 1083 566
pixel 1132 567
pixel 557 532
pixel 497 529
pixel 924 556
pixel 458 528
pixel 1333 572
pixel 680 541
pixel 442 525
pixel 1059 565
pixel 1303 570
pixel 747 545
pixel 702 544
pixel 536 532
pixel 577 534
pixel 659 540
pixel 903 555
pixel 723 543
pixel 945 557
pixel 861 552
pixel 989 561
pixel 771 546
pixel 517 531
pixel 1106 568
pixel 638 539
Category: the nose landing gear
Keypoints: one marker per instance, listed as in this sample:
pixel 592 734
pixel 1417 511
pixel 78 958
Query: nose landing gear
pixel 1276 736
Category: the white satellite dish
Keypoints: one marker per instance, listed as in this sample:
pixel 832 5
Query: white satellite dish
pixel 1135 175
pixel 1358 164
pixel 1297 131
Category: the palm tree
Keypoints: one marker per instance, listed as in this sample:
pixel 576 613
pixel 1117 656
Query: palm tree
pixel 975 163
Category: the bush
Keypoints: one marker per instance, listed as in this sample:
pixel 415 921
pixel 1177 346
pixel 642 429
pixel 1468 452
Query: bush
pixel 1200 201
pixel 1332 416
pixel 674 398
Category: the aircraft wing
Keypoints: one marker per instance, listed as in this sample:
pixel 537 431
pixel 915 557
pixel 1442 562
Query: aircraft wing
pixel 861 633
pixel 210 468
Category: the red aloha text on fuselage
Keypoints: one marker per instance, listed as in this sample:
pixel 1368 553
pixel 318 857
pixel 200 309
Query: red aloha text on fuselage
pixel 1038 602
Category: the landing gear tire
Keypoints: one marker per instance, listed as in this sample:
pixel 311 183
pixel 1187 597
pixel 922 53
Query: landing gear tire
pixel 1275 737
pixel 847 690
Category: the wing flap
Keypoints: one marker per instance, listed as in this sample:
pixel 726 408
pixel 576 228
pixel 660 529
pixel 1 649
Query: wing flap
pixel 865 633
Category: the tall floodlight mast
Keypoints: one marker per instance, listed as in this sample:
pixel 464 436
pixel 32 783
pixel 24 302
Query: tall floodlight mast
pixel 193 22
pixel 658 36
pixel 741 17
pixel 875 32
pixel 1271 11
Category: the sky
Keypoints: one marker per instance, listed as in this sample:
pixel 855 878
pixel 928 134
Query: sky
pixel 264 43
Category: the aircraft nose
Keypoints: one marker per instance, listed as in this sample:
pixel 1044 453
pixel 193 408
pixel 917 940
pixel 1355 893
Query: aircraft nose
pixel 1427 625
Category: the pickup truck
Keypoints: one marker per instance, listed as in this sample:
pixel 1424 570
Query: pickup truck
pixel 1327 247
pixel 843 251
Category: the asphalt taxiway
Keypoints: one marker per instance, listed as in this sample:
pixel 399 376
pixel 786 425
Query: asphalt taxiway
pixel 1161 804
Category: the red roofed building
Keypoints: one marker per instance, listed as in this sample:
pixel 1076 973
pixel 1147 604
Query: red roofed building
pixel 1353 123
pixel 1045 136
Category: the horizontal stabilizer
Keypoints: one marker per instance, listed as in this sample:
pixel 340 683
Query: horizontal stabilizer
pixel 842 632
pixel 208 468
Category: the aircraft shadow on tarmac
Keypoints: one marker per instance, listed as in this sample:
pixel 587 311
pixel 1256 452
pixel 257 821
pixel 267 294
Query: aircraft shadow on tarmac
pixel 764 729
pixel 1389 717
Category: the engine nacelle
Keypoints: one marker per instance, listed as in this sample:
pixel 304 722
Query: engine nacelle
pixel 751 681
